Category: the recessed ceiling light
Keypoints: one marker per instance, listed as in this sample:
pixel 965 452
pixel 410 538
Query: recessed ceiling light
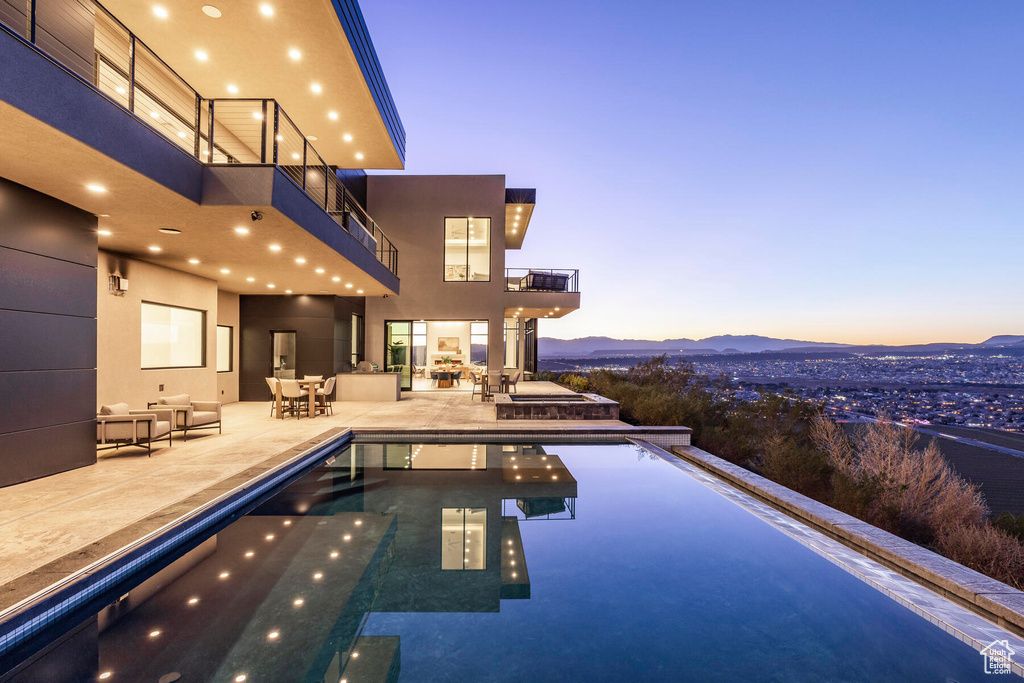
pixel 225 271
pixel 271 286
pixel 320 271
pixel 154 634
pixel 287 291
pixel 120 90
pixel 98 189
pixel 266 10
pixel 359 155
pixel 295 54
pixel 242 230
pixel 300 260
pixel 557 308
pixel 273 634
pixel 212 12
pixel 105 233
pixel 155 248
pixel 519 209
pixel 250 279
pixel 232 88
pixel 201 56
pixel 316 88
pixel 160 12
pixel 194 261
pixel 257 115
pixel 348 285
pixel 105 675
pixel 275 247
pixel 312 138
pixel 240 678
pixel 520 308
pixel 169 231
pixel 332 115
pixel 514 231
pixel 359 291
pixel 154 114
pixel 181 134
pixel 347 137
pixel 336 278
pixel 295 155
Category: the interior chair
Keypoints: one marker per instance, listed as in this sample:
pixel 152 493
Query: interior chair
pixel 291 390
pixel 317 377
pixel 117 425
pixel 272 382
pixel 457 377
pixel 478 384
pixel 434 376
pixel 190 415
pixel 513 380
pixel 494 381
pixel 327 404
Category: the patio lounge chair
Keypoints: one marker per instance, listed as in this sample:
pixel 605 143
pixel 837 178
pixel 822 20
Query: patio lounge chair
pixel 117 425
pixel 189 414
pixel 545 282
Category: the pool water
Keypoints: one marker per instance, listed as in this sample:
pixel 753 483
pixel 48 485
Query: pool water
pixel 476 562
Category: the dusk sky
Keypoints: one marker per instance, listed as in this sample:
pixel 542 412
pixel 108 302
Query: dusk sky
pixel 830 171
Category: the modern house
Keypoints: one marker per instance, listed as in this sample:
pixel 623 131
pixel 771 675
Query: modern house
pixel 184 210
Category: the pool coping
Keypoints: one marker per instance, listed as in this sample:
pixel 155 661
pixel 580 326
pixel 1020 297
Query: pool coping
pixel 30 602
pixel 579 432
pixel 992 599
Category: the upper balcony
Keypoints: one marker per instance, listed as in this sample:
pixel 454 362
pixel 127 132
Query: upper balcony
pixel 89 43
pixel 541 292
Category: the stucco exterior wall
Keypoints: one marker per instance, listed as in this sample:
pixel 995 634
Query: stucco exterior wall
pixel 411 210
pixel 119 373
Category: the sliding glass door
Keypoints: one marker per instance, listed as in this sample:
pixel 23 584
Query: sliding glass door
pixel 398 350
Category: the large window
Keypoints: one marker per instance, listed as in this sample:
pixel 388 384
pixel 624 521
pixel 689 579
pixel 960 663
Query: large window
pixel 173 337
pixel 225 348
pixel 357 340
pixel 511 342
pixel 478 343
pixel 467 249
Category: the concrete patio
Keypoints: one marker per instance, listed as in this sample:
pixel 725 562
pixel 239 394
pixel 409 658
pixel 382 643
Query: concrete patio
pixel 86 513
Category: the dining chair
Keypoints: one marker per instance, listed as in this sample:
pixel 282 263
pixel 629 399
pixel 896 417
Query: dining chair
pixel 272 382
pixel 494 382
pixel 514 380
pixel 325 393
pixel 291 390
pixel 478 383
pixel 434 376
pixel 316 377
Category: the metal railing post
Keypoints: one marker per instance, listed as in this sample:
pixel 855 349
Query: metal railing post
pixel 209 136
pixel 199 124
pixel 131 75
pixel 263 134
pixel 276 129
pixel 305 146
pixel 32 23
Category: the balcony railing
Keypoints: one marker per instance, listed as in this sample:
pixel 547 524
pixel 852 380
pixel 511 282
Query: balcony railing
pixel 542 280
pixel 217 131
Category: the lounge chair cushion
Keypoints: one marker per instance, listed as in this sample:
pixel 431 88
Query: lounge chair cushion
pixel 203 417
pixel 179 400
pixel 114 409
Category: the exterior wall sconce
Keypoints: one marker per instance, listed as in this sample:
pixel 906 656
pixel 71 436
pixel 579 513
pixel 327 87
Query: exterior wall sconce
pixel 117 285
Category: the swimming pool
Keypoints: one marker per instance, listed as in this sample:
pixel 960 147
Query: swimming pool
pixel 472 562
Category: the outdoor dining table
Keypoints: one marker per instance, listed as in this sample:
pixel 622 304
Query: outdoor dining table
pixel 311 385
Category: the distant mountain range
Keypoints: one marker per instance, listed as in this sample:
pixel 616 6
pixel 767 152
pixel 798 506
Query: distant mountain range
pixel 548 347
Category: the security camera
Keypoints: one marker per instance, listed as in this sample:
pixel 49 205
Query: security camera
pixel 256 216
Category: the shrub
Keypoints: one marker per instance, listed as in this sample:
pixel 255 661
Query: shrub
pixel 986 549
pixel 578 383
pixel 1011 524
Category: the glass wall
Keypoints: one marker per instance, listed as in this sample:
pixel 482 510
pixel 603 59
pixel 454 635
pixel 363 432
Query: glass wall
pixel 419 343
pixel 467 249
pixel 478 343
pixel 283 354
pixel 511 342
pixel 463 538
pixel 357 340
pixel 173 337
pixel 224 348
pixel 397 351
pixel 530 345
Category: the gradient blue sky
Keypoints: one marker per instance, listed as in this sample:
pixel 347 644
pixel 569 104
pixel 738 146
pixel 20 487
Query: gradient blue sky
pixel 830 171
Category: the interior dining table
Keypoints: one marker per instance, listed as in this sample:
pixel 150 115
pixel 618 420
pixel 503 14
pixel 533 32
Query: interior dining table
pixel 310 385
